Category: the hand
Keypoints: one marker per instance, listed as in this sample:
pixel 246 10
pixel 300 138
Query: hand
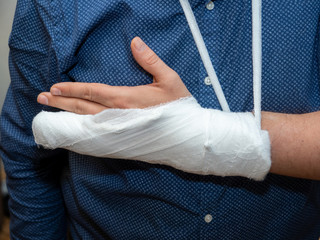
pixel 91 98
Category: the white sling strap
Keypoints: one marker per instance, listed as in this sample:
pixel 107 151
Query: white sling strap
pixel 204 54
pixel 256 56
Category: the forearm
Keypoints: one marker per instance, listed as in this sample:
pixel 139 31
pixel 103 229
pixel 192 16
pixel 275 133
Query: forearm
pixel 295 143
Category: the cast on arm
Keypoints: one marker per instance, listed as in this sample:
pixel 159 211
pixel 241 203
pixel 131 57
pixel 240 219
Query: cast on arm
pixel 33 174
pixel 295 149
pixel 180 134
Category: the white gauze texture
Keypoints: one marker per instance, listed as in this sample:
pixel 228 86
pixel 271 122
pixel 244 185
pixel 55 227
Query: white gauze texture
pixel 180 134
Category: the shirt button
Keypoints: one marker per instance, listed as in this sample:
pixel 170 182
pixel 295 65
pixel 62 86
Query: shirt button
pixel 207 81
pixel 210 5
pixel 208 218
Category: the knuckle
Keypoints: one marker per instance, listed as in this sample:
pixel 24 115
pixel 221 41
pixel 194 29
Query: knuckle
pixel 53 101
pixel 122 103
pixel 172 75
pixel 122 100
pixel 152 59
pixel 67 91
pixel 78 107
pixel 87 93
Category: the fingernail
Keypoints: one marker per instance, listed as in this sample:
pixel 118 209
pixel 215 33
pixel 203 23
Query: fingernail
pixel 55 91
pixel 43 100
pixel 139 44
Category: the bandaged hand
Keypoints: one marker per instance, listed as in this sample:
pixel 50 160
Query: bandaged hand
pixel 178 133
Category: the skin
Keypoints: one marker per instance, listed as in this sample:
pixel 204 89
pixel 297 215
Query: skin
pixel 295 138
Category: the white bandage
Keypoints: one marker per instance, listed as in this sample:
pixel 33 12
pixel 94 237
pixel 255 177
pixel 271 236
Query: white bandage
pixel 180 134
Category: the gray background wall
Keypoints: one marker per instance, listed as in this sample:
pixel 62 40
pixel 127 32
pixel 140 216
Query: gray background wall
pixel 7 8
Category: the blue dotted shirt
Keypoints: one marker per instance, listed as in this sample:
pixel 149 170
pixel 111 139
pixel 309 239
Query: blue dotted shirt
pixel 89 41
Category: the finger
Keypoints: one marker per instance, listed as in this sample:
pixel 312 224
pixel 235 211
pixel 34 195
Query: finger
pixel 149 61
pixel 89 91
pixel 94 92
pixel 75 105
pixel 109 96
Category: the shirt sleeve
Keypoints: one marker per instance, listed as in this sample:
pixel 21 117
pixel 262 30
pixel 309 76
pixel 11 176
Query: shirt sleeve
pixel 36 203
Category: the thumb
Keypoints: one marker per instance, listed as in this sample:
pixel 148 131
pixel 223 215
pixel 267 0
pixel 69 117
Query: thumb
pixel 149 61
